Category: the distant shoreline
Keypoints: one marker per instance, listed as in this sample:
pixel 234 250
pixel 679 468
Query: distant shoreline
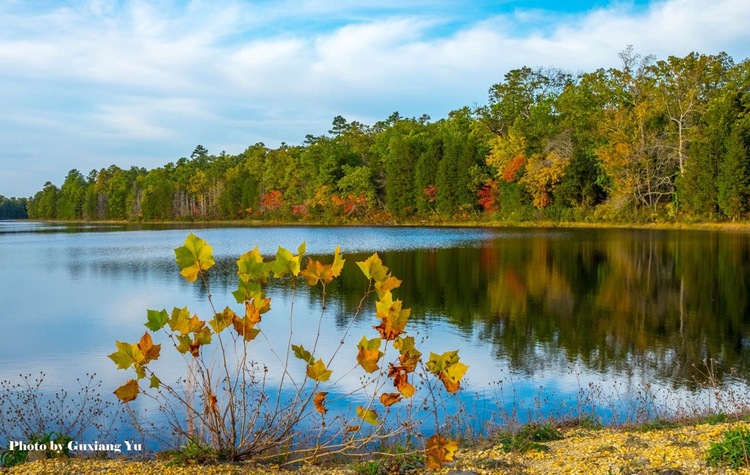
pixel 700 226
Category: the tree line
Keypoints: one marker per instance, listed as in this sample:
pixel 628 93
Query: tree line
pixel 650 140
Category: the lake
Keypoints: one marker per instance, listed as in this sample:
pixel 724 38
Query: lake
pixel 616 321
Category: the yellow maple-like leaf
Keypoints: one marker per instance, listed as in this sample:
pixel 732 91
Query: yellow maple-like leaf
pixel 448 369
pixel 369 354
pixel 255 308
pixel 318 371
pixel 438 451
pixel 386 285
pixel 368 415
pixel 338 262
pixel 451 376
pixel 315 272
pixel 127 354
pixel 194 257
pixel 128 391
pixel 147 348
pixel 409 356
pixel 222 320
pixel 373 268
pixel 393 317
pixel 182 322
pixel 245 327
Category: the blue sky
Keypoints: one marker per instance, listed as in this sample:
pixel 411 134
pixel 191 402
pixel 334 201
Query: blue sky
pixel 89 83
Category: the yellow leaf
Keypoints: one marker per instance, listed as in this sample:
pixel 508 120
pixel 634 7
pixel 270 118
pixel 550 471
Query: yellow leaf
pixel 285 262
pixel 194 257
pixel 388 284
pixel 222 320
pixel 439 451
pixel 301 353
pixel 184 343
pixel 128 391
pixel 369 354
pixel 251 268
pixel 373 268
pixel 318 371
pixel 368 415
pixel 393 318
pixel 183 323
pixel 255 308
pixel 315 271
pixel 338 263
pixel 448 369
pixel 126 355
pixel 245 328
pixel 409 355
pixel 148 349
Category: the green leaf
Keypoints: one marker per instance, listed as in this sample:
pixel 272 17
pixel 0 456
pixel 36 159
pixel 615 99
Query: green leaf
pixel 301 353
pixel 285 262
pixel 223 320
pixel 126 355
pixel 203 337
pixel 193 257
pixel 184 343
pixel 251 268
pixel 438 363
pixel 368 415
pixel 156 319
pixel 140 371
pixel 247 291
pixel 301 249
pixel 154 382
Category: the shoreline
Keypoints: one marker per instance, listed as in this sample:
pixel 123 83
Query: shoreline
pixel 609 450
pixel 737 227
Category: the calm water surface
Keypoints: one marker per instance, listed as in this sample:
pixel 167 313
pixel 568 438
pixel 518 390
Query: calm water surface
pixel 537 314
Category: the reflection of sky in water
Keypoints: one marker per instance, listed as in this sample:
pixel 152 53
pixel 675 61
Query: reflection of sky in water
pixel 66 298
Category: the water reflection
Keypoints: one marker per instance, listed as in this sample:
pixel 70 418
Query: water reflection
pixel 555 309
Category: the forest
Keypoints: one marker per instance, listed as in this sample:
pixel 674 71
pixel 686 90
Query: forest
pixel 652 140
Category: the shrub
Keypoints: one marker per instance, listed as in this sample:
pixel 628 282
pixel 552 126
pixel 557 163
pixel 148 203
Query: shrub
pixel 29 414
pixel 226 407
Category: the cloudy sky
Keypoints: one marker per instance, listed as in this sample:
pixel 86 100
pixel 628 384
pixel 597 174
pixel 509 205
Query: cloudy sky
pixel 89 83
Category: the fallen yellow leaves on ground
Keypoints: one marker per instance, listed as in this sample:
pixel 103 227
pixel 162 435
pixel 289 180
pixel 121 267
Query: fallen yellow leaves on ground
pixel 581 451
pixel 610 451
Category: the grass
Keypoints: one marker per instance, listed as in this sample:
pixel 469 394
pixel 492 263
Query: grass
pixel 528 437
pixel 733 451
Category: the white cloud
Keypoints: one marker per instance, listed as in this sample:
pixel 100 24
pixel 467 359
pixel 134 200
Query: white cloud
pixel 171 75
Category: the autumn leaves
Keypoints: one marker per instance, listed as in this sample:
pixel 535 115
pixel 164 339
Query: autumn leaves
pixel 190 335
